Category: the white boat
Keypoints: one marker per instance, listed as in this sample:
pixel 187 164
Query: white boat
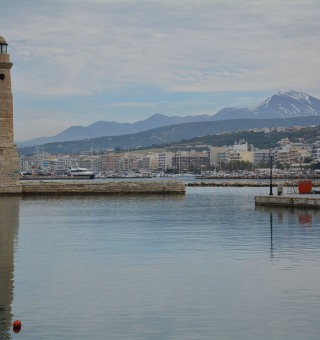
pixel 78 172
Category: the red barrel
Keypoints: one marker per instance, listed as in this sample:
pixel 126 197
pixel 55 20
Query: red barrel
pixel 305 186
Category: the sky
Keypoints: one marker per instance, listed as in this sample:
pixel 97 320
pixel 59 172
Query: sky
pixel 77 62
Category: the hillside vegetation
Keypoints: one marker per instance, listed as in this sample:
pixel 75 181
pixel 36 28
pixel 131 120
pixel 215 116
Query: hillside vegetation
pixel 259 140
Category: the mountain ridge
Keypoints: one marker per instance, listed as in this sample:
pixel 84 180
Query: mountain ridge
pixel 168 134
pixel 280 105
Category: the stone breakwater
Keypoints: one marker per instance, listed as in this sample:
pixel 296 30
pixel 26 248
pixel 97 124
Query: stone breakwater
pixel 103 188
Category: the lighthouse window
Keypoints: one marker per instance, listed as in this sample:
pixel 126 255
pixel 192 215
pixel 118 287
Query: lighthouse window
pixel 3 49
pixel 2 76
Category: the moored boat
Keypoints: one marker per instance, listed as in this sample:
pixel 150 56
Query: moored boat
pixel 78 172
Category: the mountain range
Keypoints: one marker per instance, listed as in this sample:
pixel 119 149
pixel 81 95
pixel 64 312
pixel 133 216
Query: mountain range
pixel 281 105
pixel 169 134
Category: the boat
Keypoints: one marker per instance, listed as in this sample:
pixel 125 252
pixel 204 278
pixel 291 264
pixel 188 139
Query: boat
pixel 77 172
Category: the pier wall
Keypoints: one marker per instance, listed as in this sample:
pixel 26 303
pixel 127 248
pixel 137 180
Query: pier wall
pixel 306 201
pixel 106 188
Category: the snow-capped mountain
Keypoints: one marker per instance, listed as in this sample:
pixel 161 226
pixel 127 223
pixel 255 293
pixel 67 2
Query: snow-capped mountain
pixel 281 105
pixel 288 104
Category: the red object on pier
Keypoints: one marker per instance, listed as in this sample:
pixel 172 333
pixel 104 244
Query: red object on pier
pixel 305 186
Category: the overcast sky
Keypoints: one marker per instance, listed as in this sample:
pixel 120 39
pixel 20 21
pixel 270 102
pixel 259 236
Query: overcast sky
pixel 80 61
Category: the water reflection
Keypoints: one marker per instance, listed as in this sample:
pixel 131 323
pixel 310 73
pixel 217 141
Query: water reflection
pixel 9 222
pixel 271 235
pixel 300 216
pixel 297 220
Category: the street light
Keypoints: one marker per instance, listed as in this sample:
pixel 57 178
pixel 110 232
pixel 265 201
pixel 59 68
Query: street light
pixel 270 174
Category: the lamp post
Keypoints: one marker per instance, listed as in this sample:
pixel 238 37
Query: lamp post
pixel 271 193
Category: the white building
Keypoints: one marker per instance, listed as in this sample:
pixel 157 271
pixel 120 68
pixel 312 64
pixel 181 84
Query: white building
pixel 165 160
pixel 225 154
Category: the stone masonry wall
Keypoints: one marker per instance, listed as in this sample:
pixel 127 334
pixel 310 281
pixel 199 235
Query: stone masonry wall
pixel 107 188
pixel 9 161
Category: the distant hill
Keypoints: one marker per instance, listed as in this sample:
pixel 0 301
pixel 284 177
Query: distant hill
pixel 281 105
pixel 102 128
pixel 169 134
pixel 260 140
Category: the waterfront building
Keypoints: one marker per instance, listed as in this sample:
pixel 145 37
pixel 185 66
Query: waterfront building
pixel 110 161
pixel 148 162
pixel 62 162
pixel 165 160
pixel 182 161
pixel 154 164
pixel 128 162
pixel 219 155
pixel 92 162
pixel 24 164
pixel 144 163
pixel 58 165
pixel 261 158
pixel 315 152
pixel 291 153
pixel 226 154
pixel 241 155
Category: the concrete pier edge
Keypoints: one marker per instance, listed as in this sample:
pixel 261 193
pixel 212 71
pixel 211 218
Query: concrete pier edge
pixel 290 200
pixel 97 188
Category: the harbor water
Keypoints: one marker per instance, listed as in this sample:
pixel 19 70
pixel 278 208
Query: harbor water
pixel 205 265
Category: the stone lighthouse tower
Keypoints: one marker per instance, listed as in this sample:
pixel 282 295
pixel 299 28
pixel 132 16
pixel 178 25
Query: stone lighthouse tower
pixel 9 160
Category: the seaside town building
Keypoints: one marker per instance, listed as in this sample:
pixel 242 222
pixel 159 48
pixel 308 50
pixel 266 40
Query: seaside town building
pixel 290 153
pixel 182 161
pixel 110 161
pixel 238 152
pixel 261 158
pixel 315 152
pixel 165 160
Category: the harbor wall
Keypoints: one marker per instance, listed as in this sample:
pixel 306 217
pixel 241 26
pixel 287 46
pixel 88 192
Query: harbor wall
pixel 305 201
pixel 106 188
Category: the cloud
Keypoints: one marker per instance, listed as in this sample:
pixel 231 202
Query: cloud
pixel 82 48
pixel 133 104
pixel 116 48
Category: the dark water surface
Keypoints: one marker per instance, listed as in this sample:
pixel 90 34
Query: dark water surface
pixel 207 265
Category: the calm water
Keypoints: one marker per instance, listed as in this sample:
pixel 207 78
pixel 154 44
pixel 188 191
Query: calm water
pixel 208 265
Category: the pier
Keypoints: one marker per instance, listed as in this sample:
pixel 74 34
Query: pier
pixel 306 197
pixel 102 188
pixel 290 200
